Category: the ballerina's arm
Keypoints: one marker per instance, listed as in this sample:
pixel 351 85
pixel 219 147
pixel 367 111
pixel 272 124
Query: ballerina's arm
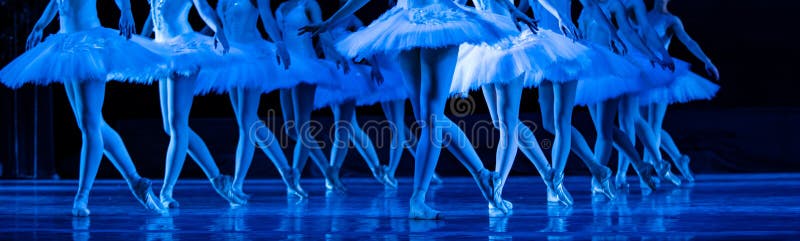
pixel 591 7
pixel 563 16
pixel 274 32
pixel 212 20
pixel 649 34
pixel 626 30
pixel 680 33
pixel 347 9
pixel 36 34
pixel 127 26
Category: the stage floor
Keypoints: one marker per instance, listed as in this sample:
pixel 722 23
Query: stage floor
pixel 717 206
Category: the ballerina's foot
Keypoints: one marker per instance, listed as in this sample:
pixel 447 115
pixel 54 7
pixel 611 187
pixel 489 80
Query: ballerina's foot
pixel 557 193
pixel 621 182
pixel 647 176
pixel 419 210
pixel 241 195
pixel 602 184
pixel 80 208
pixel 223 185
pixel 489 183
pixel 143 192
pixel 168 202
pixel 683 166
pixel 291 178
pixel 387 179
pixel 663 170
pixel 332 181
pixel 436 179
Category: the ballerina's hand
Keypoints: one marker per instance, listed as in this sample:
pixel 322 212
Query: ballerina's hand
pixel 314 28
pixel 219 38
pixel 282 54
pixel 712 71
pixel 34 38
pixel 127 26
pixel 668 63
pixel 376 75
pixel 342 63
pixel 521 18
pixel 618 46
pixel 569 30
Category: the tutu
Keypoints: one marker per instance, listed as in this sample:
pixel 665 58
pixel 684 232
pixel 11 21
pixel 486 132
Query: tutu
pixel 99 53
pixel 393 86
pixel 250 66
pixel 545 55
pixel 350 86
pixel 686 87
pixel 610 76
pixel 436 25
pixel 188 52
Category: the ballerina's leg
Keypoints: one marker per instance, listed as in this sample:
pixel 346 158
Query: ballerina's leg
pixel 343 131
pixel 649 139
pixel 303 103
pixel 364 146
pixel 87 106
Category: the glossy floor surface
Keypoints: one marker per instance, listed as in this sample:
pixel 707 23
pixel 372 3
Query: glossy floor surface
pixel 763 206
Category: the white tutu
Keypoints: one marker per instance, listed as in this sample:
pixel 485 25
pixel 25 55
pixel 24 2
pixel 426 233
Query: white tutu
pixel 610 76
pixel 436 25
pixel 393 86
pixel 249 65
pixel 99 53
pixel 545 55
pixel 187 53
pixel 686 87
pixel 355 83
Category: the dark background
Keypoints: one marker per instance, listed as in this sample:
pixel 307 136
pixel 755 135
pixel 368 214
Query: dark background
pixel 748 127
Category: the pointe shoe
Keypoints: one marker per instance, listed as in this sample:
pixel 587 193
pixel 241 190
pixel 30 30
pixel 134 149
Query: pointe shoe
pixel 647 175
pixel 143 192
pixel 388 180
pixel 80 207
pixel 223 185
pixel 291 178
pixel 332 181
pixel 436 179
pixel 489 184
pixel 168 202
pixel 683 166
pixel 241 195
pixel 621 182
pixel 603 184
pixel 557 193
pixel 420 210
pixel 664 171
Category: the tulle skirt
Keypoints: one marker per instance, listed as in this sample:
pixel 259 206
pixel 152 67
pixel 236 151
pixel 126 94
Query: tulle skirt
pixel 251 65
pixel 351 86
pixel 436 25
pixel 686 87
pixel 528 57
pixel 393 86
pixel 312 70
pixel 610 76
pixel 188 53
pixel 96 54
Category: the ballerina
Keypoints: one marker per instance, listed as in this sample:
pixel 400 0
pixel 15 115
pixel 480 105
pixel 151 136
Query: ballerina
pixel 353 85
pixel 686 87
pixel 603 113
pixel 83 55
pixel 427 34
pixel 254 69
pixel 297 103
pixel 503 70
pixel 189 52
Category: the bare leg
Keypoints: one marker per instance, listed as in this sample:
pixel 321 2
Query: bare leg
pixel 303 103
pixel 88 106
pixel 343 130
pixel 118 155
pixel 364 146
pixel 657 112
pixel 630 115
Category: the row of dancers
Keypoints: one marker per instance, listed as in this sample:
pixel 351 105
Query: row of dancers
pixel 615 62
